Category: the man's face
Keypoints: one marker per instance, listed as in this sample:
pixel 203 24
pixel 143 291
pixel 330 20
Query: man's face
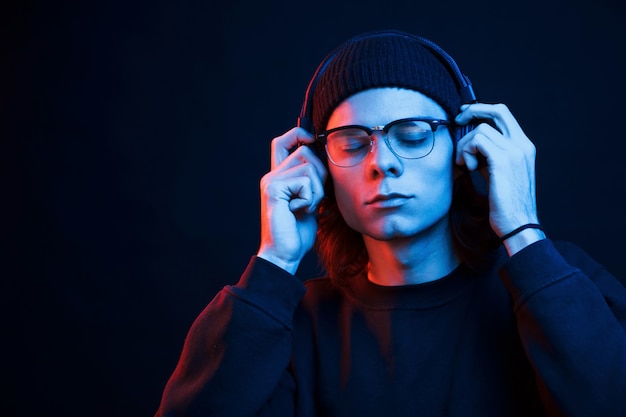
pixel 385 196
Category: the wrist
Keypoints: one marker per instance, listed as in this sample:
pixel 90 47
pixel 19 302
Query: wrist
pixel 522 239
pixel 289 266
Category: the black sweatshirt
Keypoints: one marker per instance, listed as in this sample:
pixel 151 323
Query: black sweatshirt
pixel 541 333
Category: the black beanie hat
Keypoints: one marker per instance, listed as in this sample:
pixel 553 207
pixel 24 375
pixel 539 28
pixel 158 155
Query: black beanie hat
pixel 382 59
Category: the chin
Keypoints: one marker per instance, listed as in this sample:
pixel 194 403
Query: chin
pixel 390 230
pixel 385 236
pixel 394 229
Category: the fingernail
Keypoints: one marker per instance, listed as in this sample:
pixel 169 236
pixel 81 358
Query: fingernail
pixel 464 106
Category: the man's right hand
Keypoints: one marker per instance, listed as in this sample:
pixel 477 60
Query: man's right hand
pixel 290 195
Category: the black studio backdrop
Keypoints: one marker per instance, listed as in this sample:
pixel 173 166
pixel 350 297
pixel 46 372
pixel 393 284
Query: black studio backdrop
pixel 133 136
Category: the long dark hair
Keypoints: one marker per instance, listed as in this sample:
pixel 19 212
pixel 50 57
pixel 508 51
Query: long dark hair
pixel 341 249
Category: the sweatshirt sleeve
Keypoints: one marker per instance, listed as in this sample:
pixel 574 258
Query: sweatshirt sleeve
pixel 571 316
pixel 236 355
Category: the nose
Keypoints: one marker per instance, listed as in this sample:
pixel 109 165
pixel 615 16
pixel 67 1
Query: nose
pixel 382 160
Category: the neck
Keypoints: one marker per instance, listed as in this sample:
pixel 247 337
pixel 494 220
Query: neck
pixel 413 260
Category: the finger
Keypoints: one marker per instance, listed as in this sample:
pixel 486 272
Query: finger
pixel 303 155
pixel 284 144
pixel 515 137
pixel 476 143
pixel 298 192
pixel 317 189
pixel 500 114
pixel 306 173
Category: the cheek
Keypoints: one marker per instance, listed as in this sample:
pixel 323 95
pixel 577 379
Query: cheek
pixel 442 166
pixel 442 181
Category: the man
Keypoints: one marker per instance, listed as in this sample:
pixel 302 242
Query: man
pixel 439 300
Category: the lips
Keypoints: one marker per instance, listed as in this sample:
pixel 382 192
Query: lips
pixel 388 199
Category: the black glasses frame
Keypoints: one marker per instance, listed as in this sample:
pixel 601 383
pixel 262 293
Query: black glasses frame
pixel 434 124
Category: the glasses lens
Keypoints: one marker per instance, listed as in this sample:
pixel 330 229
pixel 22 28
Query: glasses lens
pixel 412 139
pixel 347 147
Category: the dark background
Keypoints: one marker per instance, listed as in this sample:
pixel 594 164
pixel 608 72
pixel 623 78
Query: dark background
pixel 133 136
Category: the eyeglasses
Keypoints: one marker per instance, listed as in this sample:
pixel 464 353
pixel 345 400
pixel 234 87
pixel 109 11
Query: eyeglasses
pixel 410 138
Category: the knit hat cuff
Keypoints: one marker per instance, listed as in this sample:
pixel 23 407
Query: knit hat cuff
pixel 384 61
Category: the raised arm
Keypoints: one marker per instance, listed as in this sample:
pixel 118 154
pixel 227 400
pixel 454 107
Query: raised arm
pixel 236 355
